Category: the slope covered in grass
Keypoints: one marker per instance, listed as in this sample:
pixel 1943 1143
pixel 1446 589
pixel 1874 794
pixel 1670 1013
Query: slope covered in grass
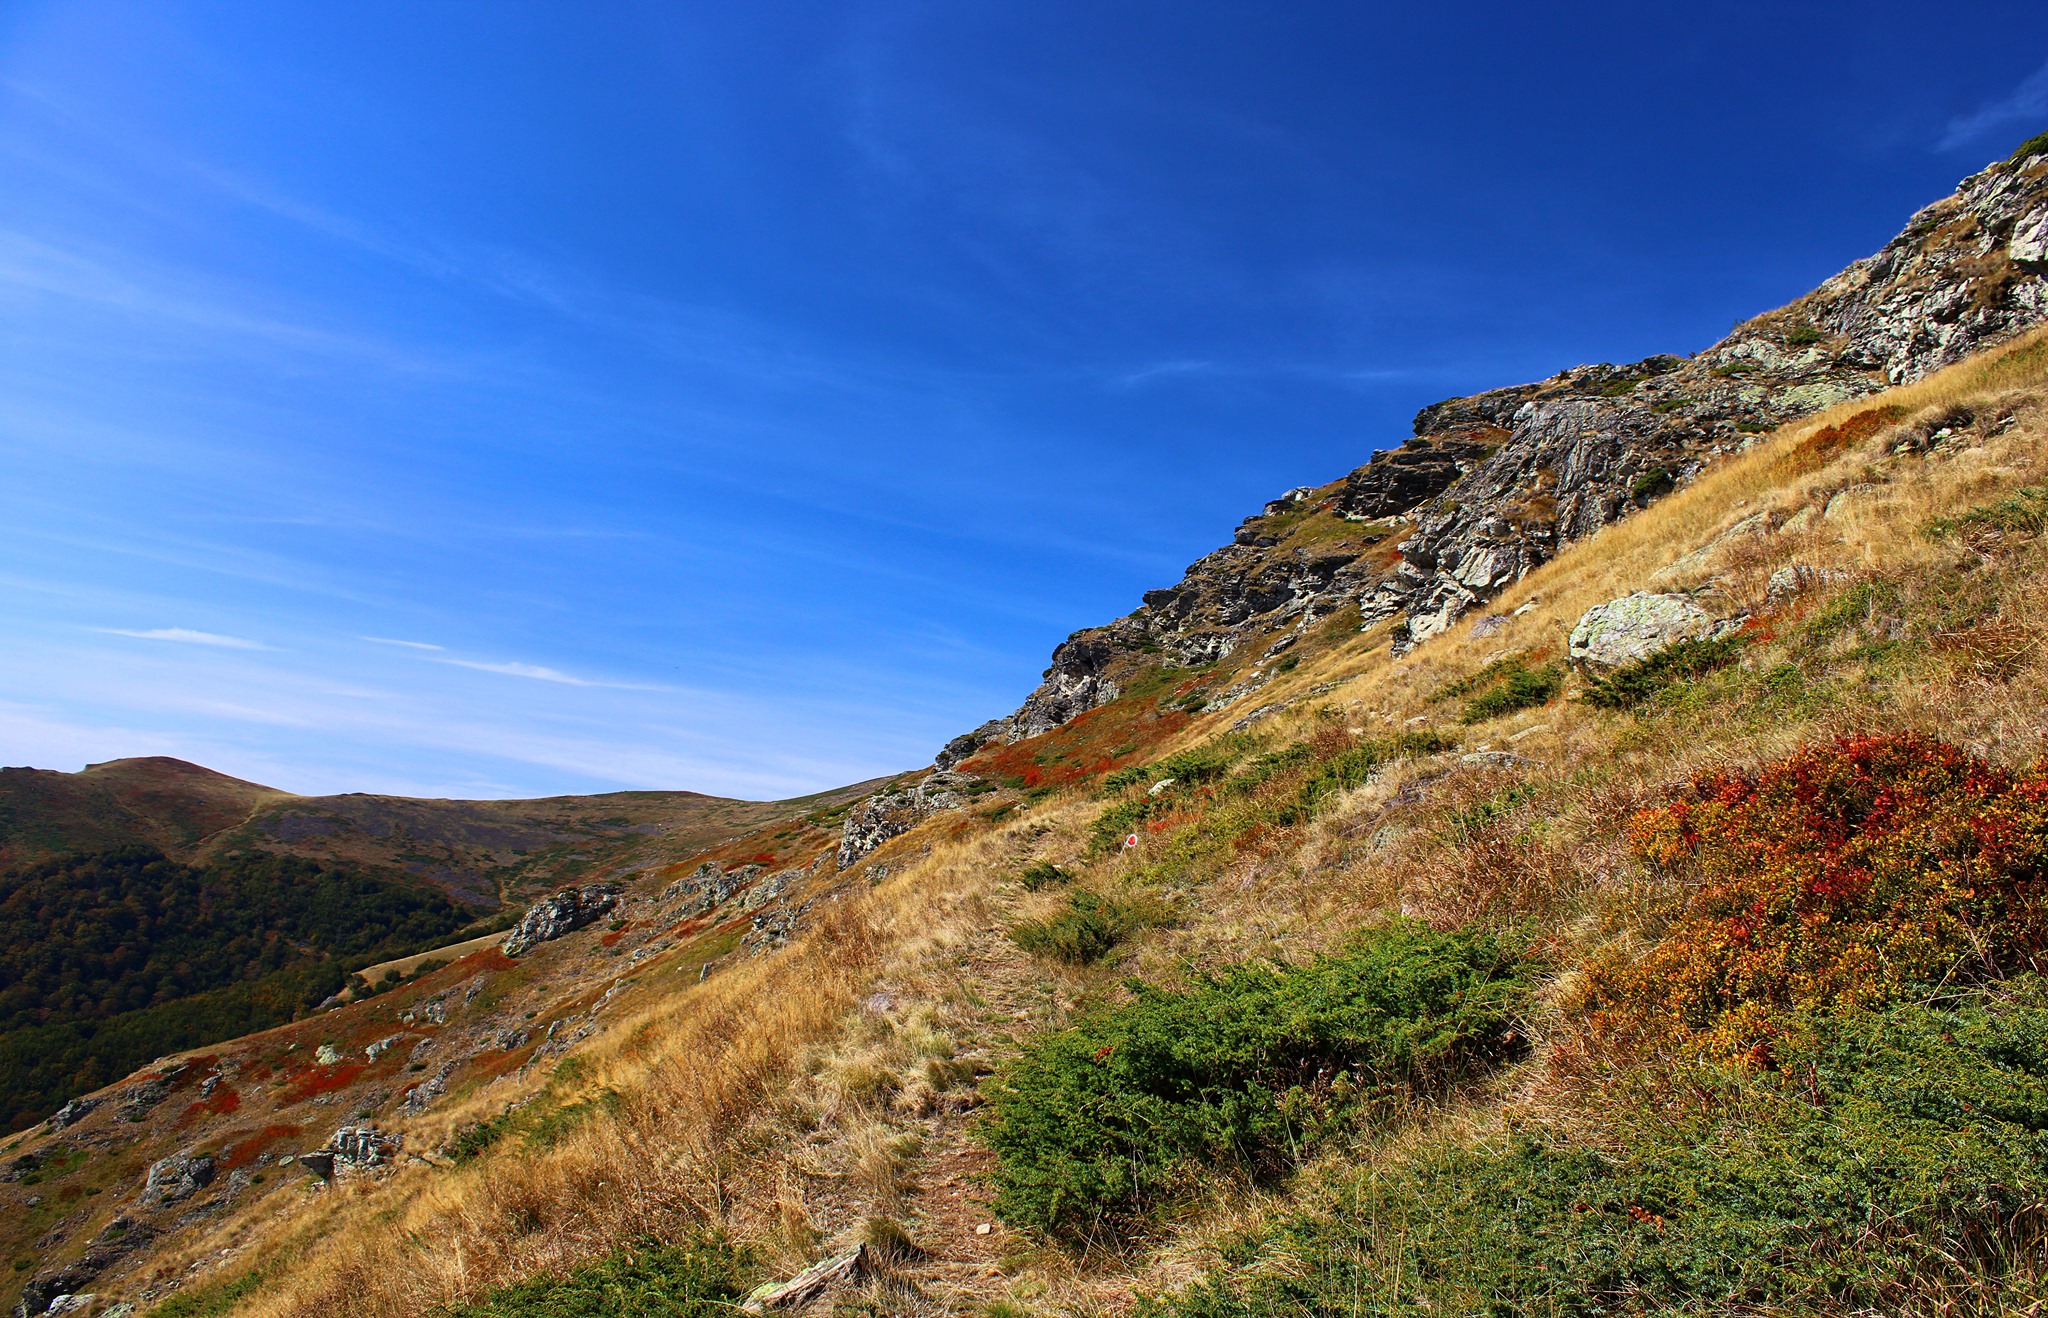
pixel 1307 978
pixel 1883 1148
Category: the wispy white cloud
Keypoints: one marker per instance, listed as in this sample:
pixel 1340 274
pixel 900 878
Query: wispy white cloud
pixel 1160 370
pixel 410 645
pixel 512 668
pixel 187 636
pixel 2026 103
pixel 538 673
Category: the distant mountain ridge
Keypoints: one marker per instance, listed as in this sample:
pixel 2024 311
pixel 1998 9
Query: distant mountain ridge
pixel 482 853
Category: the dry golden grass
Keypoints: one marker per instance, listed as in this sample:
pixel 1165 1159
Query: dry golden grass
pixel 790 1098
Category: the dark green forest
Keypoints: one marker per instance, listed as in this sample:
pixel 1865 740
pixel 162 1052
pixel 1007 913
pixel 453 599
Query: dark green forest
pixel 111 959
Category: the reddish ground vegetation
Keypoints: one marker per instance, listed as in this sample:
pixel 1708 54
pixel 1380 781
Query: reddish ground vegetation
pixel 222 1101
pixel 1825 443
pixel 1097 742
pixel 321 1080
pixel 1832 879
pixel 245 1147
pixel 477 963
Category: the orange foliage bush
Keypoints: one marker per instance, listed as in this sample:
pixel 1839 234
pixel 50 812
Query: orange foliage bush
pixel 1090 745
pixel 1826 442
pixel 1830 880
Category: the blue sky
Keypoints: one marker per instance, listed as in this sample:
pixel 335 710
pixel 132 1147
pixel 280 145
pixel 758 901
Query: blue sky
pixel 515 398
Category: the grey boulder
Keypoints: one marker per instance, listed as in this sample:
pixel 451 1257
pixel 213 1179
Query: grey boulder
pixel 1631 629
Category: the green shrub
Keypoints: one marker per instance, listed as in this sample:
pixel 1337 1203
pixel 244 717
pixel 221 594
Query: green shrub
pixel 473 1139
pixel 1634 686
pixel 1189 768
pixel 1201 764
pixel 1800 336
pixel 2033 146
pixel 1325 772
pixel 1466 685
pixel 1346 770
pixel 1128 776
pixel 1088 930
pixel 208 1299
pixel 549 1125
pixel 1895 1159
pixel 700 1279
pixel 2023 512
pixel 1096 1126
pixel 1517 687
pixel 1117 822
pixel 1651 484
pixel 1042 874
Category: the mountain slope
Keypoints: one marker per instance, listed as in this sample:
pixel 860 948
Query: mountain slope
pixel 154 801
pixel 1492 485
pixel 1662 941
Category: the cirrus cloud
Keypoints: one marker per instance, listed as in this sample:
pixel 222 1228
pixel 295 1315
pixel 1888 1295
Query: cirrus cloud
pixel 187 636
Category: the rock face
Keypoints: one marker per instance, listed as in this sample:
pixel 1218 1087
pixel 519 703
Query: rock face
pixel 884 815
pixel 564 913
pixel 1492 485
pixel 357 1148
pixel 77 1110
pixel 176 1178
pixel 1631 629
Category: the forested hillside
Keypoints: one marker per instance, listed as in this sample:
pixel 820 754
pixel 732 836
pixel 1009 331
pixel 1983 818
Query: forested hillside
pixel 111 959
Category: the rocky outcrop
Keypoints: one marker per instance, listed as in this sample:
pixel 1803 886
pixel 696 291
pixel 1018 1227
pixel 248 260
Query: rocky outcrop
pixel 1631 629
pixel 1492 485
pixel 564 913
pixel 359 1148
pixel 176 1178
pixel 77 1110
pixel 121 1236
pixel 890 814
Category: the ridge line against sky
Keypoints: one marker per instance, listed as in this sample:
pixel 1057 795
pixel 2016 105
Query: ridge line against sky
pixel 487 400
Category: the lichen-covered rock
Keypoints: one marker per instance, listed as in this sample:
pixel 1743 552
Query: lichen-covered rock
pixel 2029 242
pixel 358 1148
pixel 72 1113
pixel 564 913
pixel 1634 627
pixel 176 1178
pixel 885 815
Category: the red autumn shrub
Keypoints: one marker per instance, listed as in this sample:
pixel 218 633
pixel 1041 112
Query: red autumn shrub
pixel 1832 879
pixel 1826 442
